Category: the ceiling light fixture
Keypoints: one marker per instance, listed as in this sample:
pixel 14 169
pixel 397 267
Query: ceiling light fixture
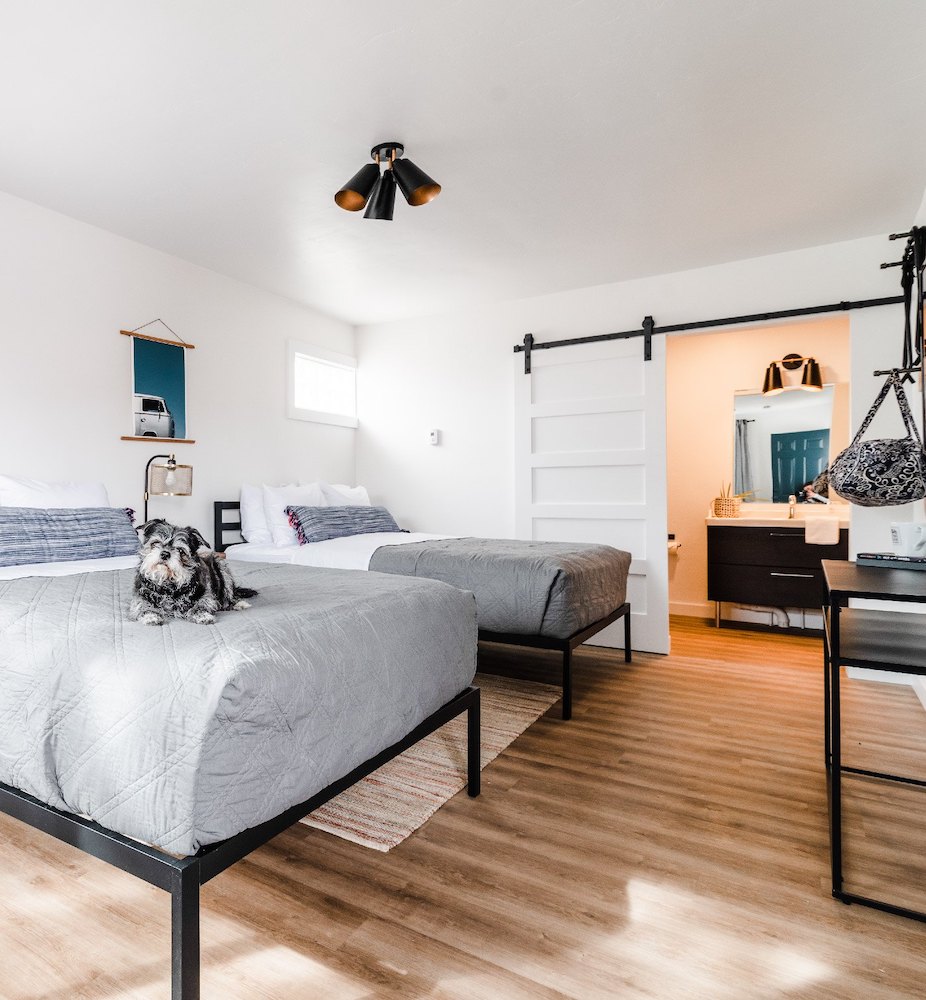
pixel 375 190
pixel 810 378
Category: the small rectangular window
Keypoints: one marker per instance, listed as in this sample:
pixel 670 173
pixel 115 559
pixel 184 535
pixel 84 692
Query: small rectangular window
pixel 150 406
pixel 322 385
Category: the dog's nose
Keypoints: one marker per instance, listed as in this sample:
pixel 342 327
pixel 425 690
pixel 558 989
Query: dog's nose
pixel 165 555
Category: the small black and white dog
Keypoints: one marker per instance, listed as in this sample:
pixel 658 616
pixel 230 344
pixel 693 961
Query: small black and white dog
pixel 179 577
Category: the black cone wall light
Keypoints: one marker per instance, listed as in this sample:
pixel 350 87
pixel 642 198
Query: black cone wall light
pixel 375 190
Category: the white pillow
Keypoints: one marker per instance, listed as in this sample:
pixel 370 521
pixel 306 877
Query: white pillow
pixel 253 520
pixel 346 496
pixel 278 498
pixel 16 492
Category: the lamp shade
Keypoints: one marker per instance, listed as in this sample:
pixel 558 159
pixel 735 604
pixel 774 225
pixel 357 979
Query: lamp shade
pixel 353 196
pixel 414 183
pixel 811 379
pixel 772 384
pixel 170 480
pixel 382 201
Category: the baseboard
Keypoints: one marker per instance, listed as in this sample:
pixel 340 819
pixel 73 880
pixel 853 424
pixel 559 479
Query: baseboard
pixel 692 609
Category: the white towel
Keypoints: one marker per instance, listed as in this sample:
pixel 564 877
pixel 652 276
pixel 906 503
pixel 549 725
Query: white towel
pixel 821 530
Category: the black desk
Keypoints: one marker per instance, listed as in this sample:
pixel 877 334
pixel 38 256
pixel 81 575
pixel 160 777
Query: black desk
pixel 876 640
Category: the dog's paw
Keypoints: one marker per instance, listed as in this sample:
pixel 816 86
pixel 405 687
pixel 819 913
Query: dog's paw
pixel 201 618
pixel 240 605
pixel 150 618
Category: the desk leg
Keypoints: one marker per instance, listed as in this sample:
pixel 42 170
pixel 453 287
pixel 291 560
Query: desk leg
pixel 827 707
pixel 836 755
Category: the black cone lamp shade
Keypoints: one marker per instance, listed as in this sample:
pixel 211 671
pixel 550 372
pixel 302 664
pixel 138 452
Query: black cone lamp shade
pixel 772 385
pixel 811 378
pixel 353 196
pixel 375 190
pixel 382 201
pixel 414 183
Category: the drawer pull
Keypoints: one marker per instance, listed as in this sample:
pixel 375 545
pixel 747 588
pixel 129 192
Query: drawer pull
pixel 783 534
pixel 802 576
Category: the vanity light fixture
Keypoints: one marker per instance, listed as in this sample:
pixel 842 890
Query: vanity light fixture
pixel 376 191
pixel 772 384
pixel 811 378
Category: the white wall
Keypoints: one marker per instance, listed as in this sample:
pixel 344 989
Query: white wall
pixel 455 371
pixel 66 289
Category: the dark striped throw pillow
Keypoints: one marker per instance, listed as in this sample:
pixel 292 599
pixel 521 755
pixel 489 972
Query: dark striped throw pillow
pixel 318 524
pixel 33 535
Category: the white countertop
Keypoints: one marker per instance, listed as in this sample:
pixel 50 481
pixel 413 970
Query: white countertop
pixel 765 520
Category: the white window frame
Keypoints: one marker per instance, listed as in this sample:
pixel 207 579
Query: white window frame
pixel 294 347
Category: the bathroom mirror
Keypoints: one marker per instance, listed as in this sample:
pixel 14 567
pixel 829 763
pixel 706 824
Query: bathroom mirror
pixel 781 442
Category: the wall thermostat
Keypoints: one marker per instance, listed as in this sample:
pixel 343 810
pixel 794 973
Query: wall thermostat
pixel 434 437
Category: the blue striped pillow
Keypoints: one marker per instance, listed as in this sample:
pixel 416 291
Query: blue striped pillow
pixel 318 524
pixel 35 535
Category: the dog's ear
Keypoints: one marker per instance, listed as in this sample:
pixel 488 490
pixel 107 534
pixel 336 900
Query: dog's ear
pixel 152 527
pixel 200 545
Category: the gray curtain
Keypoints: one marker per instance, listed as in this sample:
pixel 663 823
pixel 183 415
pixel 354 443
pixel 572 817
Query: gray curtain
pixel 742 463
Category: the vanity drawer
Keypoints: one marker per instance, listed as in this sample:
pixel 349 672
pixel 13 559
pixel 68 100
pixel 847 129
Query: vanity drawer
pixel 776 546
pixel 775 586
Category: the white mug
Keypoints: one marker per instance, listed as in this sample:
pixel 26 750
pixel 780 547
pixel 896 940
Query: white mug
pixel 908 538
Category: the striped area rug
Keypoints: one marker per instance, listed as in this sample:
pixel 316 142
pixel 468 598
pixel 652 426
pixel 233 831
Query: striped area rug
pixel 392 802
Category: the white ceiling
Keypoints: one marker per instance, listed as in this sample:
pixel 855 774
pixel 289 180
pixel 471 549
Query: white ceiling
pixel 577 142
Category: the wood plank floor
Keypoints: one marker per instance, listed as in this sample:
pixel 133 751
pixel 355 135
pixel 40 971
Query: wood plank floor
pixel 668 842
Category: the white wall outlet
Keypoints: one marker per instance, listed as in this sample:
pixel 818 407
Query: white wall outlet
pixel 434 437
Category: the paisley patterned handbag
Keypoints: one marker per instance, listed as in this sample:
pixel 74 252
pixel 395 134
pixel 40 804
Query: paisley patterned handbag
pixel 885 472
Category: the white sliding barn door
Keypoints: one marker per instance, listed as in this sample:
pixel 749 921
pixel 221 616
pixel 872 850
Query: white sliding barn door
pixel 590 459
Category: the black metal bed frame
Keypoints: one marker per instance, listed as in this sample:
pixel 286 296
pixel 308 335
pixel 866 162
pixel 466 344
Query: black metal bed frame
pixel 564 646
pixel 182 877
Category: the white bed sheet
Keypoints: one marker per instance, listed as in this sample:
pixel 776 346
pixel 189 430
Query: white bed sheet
pixel 67 568
pixel 352 552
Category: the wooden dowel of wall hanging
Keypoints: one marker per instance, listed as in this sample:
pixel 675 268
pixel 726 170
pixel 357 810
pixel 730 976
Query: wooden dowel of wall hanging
pixel 154 440
pixel 157 340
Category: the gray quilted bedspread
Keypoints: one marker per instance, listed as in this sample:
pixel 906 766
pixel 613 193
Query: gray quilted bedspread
pixel 183 735
pixel 533 588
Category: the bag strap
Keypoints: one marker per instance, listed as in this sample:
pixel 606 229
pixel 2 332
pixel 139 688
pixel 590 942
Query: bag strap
pixel 904 405
pixel 906 283
pixel 892 381
pixel 875 406
pixel 919 261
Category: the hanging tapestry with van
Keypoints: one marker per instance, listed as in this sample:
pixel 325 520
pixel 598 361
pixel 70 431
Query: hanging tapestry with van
pixel 158 386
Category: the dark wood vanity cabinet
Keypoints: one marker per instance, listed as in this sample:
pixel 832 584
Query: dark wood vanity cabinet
pixel 771 567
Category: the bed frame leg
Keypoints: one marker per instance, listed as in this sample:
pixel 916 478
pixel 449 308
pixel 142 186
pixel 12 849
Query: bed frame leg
pixel 473 747
pixel 627 647
pixel 567 683
pixel 184 910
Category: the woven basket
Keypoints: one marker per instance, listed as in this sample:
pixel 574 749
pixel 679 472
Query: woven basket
pixel 727 506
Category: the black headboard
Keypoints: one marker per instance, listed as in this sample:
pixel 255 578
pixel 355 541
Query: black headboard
pixel 221 526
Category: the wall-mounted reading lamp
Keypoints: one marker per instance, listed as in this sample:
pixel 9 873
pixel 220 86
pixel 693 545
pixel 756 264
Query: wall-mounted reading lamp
pixel 810 378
